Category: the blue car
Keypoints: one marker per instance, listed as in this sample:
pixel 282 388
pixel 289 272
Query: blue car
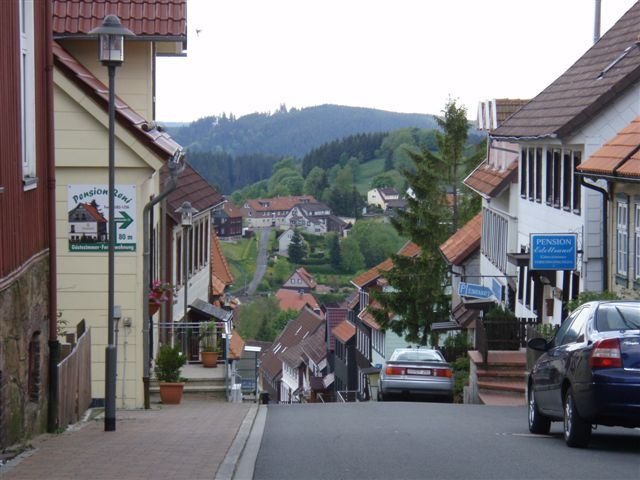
pixel 589 373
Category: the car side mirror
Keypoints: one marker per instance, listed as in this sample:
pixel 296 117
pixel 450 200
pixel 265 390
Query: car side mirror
pixel 539 344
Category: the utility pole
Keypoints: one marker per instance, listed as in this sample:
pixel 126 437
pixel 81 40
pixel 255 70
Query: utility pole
pixel 596 21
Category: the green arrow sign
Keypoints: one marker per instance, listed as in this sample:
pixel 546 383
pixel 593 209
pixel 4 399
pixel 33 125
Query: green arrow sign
pixel 125 220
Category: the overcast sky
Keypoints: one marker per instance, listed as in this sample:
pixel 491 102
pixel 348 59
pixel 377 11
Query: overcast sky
pixel 398 55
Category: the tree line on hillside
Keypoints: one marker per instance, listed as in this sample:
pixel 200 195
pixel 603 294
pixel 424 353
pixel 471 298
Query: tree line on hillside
pixel 290 132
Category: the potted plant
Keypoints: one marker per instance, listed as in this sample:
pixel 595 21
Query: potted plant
pixel 160 293
pixel 209 345
pixel 168 364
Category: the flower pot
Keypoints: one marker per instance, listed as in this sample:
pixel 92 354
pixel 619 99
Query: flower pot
pixel 171 393
pixel 209 359
pixel 153 308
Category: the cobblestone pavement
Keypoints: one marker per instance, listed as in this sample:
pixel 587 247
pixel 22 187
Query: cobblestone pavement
pixel 188 441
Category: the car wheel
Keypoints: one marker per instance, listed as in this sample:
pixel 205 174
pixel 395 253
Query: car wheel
pixel 577 431
pixel 381 397
pixel 538 423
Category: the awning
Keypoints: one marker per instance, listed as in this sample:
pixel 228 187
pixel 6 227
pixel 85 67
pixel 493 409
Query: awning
pixel 445 326
pixel 519 259
pixel 212 311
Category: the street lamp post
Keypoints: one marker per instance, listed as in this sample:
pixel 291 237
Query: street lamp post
pixel 186 212
pixel 111 34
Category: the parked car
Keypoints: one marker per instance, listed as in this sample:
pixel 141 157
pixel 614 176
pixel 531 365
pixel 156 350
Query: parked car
pixel 589 373
pixel 416 371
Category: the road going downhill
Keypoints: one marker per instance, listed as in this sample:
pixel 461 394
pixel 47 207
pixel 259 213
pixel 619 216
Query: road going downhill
pixel 261 261
pixel 422 440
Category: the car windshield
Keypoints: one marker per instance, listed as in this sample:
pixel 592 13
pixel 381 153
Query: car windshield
pixel 614 317
pixel 416 356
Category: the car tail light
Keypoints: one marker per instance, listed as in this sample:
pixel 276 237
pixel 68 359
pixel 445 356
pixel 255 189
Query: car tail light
pixel 394 371
pixel 443 372
pixel 606 354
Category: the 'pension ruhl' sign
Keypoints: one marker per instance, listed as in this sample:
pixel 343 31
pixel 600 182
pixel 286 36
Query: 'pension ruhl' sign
pixel 554 251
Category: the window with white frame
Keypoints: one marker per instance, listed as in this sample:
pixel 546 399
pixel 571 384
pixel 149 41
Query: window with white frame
pixel 622 237
pixel 556 175
pixel 637 241
pixel 27 94
pixel 495 234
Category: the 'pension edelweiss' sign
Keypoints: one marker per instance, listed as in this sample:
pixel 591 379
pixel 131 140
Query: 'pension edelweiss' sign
pixel 554 251
pixel 88 209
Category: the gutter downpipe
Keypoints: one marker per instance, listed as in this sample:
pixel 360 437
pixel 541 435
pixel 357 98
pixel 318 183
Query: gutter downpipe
pixel 175 169
pixel 605 230
pixel 54 344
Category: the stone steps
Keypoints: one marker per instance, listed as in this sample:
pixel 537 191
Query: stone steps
pixel 502 380
pixel 501 400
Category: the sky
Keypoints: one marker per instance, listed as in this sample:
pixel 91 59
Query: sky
pixel 397 55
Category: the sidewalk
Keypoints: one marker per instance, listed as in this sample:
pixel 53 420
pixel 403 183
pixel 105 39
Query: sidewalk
pixel 188 441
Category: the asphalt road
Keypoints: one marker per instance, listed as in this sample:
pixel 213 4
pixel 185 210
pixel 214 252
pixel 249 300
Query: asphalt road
pixel 261 261
pixel 423 440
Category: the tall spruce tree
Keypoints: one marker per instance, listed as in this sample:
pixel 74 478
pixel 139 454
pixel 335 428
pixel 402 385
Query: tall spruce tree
pixel 334 250
pixel 417 298
pixel 297 248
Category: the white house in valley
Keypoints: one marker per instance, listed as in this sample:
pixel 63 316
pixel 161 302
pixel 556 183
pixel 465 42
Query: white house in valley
pixel 381 197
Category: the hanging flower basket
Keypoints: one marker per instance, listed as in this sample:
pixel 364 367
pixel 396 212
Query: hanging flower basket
pixel 159 294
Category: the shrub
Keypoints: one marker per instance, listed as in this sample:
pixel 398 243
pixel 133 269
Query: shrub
pixel 460 377
pixel 168 364
pixel 585 297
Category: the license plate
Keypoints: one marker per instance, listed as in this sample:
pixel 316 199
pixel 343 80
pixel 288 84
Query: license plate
pixel 415 371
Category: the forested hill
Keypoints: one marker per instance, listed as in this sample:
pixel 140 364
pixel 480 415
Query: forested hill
pixel 292 132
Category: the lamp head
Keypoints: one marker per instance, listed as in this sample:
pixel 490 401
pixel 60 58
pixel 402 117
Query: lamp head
pixel 186 211
pixel 112 35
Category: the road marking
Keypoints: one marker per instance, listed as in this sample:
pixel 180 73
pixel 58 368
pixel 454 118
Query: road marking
pixel 533 435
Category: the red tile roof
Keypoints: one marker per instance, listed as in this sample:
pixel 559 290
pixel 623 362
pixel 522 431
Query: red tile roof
pixel 192 187
pixel 292 300
pixel 146 18
pixel 409 249
pixel 464 242
pixel 602 74
pixel 618 156
pixel 221 275
pixel 344 331
pixel 232 210
pixel 158 142
pixel 277 204
pixel 236 345
pixel 368 318
pixel 307 277
pixel 489 181
pixel 93 211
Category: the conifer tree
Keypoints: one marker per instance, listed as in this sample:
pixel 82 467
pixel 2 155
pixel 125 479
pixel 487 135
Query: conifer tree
pixel 334 250
pixel 297 248
pixel 417 298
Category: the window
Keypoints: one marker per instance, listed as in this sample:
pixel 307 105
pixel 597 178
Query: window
pixel 577 187
pixel 179 274
pixel 567 178
pixel 549 177
pixel 622 237
pixel 495 234
pixel 577 328
pixel 538 175
pixel 557 172
pixel 637 241
pixel 27 95
pixel 523 173
pixel 531 167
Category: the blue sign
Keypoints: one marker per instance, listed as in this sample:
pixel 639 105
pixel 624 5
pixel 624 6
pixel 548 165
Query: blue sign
pixel 248 384
pixel 474 291
pixel 556 251
pixel 496 288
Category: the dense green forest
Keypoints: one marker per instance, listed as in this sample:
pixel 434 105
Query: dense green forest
pixel 290 132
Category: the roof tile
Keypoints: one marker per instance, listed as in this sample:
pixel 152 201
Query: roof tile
pixel 584 89
pixel 164 18
pixel 464 242
pixel 489 181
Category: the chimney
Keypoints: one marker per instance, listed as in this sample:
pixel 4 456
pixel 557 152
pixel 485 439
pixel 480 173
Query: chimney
pixel 596 21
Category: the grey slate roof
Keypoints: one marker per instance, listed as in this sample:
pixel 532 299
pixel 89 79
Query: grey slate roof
pixel 609 67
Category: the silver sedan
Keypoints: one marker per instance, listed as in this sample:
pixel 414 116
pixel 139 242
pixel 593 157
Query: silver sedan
pixel 416 371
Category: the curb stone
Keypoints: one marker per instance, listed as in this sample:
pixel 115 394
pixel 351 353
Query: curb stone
pixel 227 468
